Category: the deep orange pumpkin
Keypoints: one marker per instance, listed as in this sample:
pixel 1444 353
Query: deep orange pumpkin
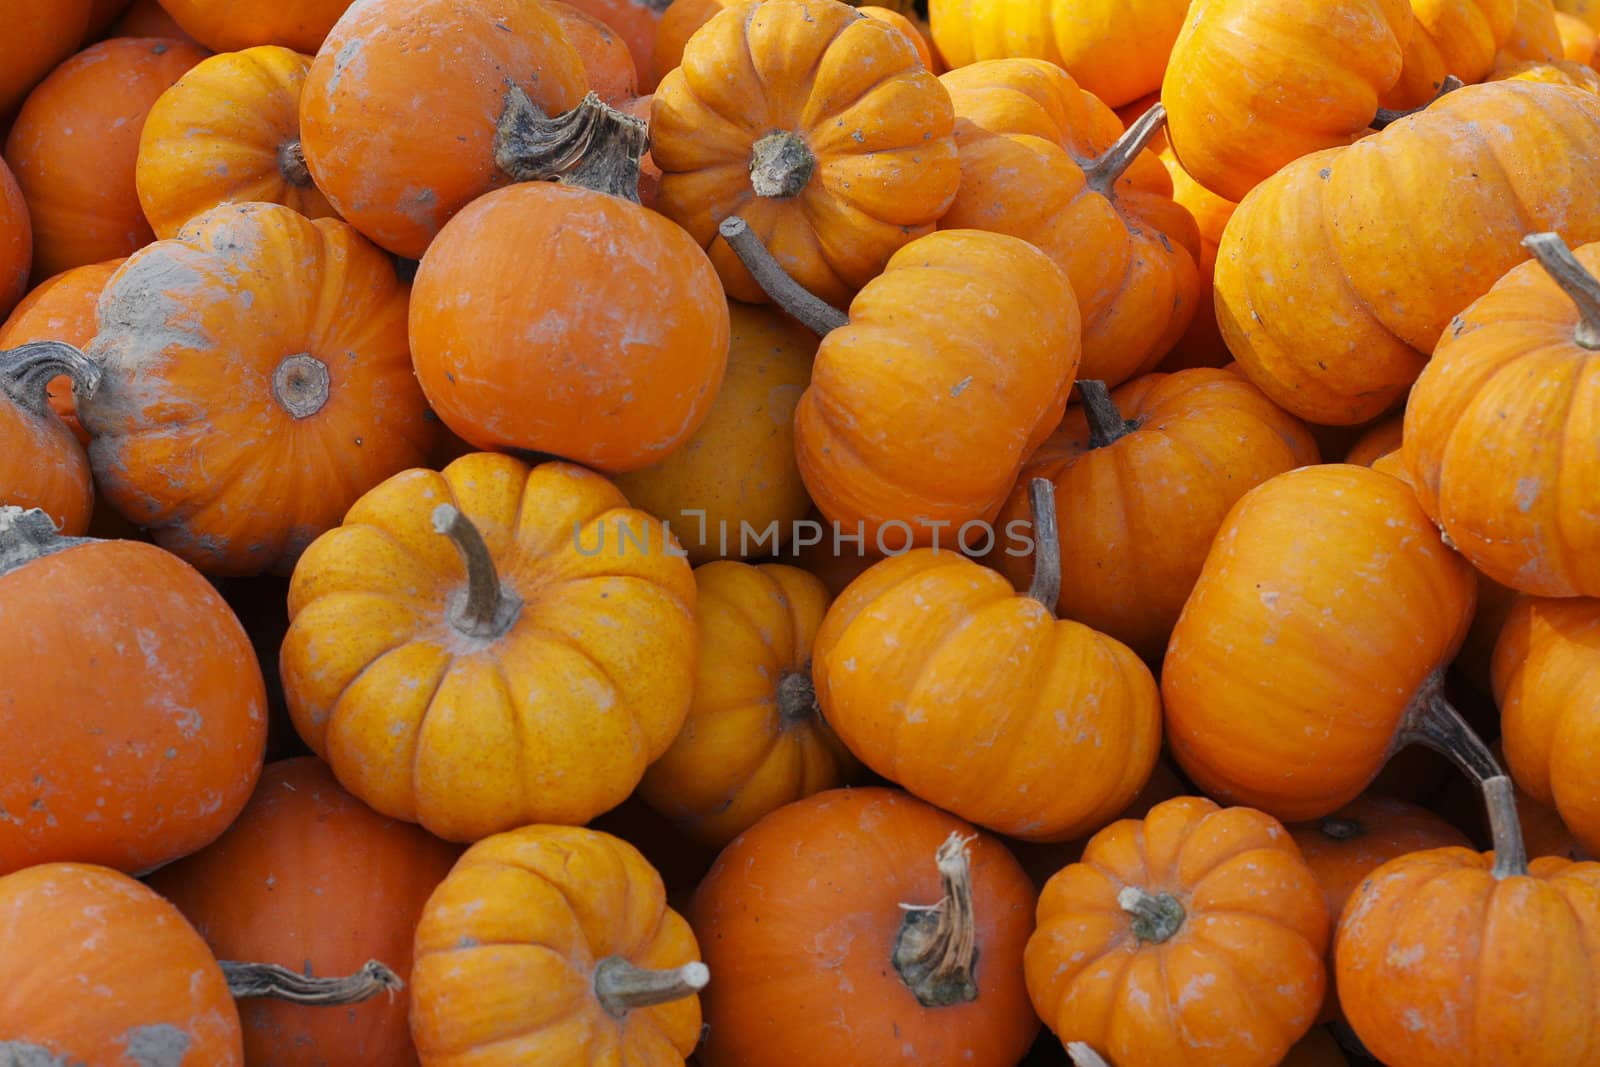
pixel 1579 40
pixel 61 308
pixel 606 59
pixel 38 36
pixel 637 22
pixel 147 18
pixel 232 25
pixel 16 241
pixel 1450 37
pixel 41 464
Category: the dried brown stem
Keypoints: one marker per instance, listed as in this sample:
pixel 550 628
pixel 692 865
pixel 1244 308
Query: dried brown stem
pixel 280 983
pixel 815 314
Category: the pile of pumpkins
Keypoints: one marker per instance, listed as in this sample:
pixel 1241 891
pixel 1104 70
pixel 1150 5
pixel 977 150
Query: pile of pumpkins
pixel 777 533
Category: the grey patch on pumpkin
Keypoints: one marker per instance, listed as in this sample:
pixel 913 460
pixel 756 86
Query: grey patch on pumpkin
pixel 23 1054
pixel 161 1045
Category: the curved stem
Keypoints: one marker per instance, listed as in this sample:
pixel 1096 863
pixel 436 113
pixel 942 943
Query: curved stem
pixel 797 697
pixel 292 164
pixel 27 534
pixel 1432 720
pixel 1575 280
pixel 1340 829
pixel 1387 117
pixel 1106 424
pixel 594 145
pixel 1156 916
pixel 280 983
pixel 489 607
pixel 815 314
pixel 1084 1056
pixel 27 371
pixel 1103 174
pixel 1046 584
pixel 620 987
pixel 936 950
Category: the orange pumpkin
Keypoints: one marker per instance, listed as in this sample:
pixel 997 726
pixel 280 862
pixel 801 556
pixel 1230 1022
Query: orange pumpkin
pixel 1255 84
pixel 1515 380
pixel 1378 440
pixel 831 140
pixel 37 37
pixel 607 62
pixel 466 64
pixel 61 308
pixel 735 481
pixel 233 25
pixel 147 18
pixel 97 969
pixel 940 677
pixel 1201 344
pixel 637 23
pixel 1046 161
pixel 864 926
pixel 1143 478
pixel 1586 10
pixel 317 404
pixel 912 30
pixel 1195 936
pixel 1579 40
pixel 102 13
pixel 1450 37
pixel 754 739
pixel 227 131
pixel 573 925
pixel 41 464
pixel 75 145
pixel 141 741
pixel 1550 72
pixel 534 642
pixel 1115 49
pixel 1534 34
pixel 1546 670
pixel 310 878
pixel 1309 264
pixel 16 241
pixel 681 21
pixel 1312 644
pixel 596 330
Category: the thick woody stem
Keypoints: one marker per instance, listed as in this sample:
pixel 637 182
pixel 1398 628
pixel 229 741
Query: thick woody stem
pixel 301 384
pixel 1046 585
pixel 1106 424
pixel 27 371
pixel 1432 720
pixel 781 165
pixel 280 983
pixel 797 697
pixel 1387 117
pixel 489 608
pixel 292 164
pixel 816 315
pixel 936 951
pixel 620 987
pixel 1575 280
pixel 1156 916
pixel 1102 174
pixel 593 145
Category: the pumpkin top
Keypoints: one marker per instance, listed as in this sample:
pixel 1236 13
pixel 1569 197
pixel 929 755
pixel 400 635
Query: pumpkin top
pixel 27 535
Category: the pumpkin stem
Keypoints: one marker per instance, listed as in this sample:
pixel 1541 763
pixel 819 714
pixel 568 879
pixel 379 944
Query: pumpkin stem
pixel 797 697
pixel 1103 174
pixel 594 145
pixel 27 371
pixel 292 164
pixel 301 384
pixel 1106 424
pixel 781 165
pixel 1156 917
pixel 29 533
pixel 620 987
pixel 1341 829
pixel 1387 117
pixel 1432 720
pixel 1575 280
pixel 489 608
pixel 1046 584
pixel 936 950
pixel 815 314
pixel 280 983
pixel 1084 1056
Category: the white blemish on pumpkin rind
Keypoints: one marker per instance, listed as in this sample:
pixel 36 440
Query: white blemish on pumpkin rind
pixel 160 1045
pixel 24 1054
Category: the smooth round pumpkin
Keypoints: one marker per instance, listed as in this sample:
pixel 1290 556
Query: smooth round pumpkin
pixel 519 658
pixel 75 146
pixel 864 926
pixel 42 465
pixel 939 676
pixel 228 131
pixel 1579 40
pixel 607 62
pixel 1312 641
pixel 1144 477
pixel 724 488
pixel 596 330
pixel 461 63
pixel 1115 49
pixel 61 308
pixel 310 878
pixel 637 23
pixel 1497 427
pixel 233 25
pixel 1546 670
pixel 572 925
pixel 139 733
pixel 1046 161
pixel 97 969
pixel 754 739
pixel 237 464
pixel 1378 440
pixel 1194 936
pixel 1307 261
pixel 832 188
pixel 147 18
pixel 16 241
pixel 38 36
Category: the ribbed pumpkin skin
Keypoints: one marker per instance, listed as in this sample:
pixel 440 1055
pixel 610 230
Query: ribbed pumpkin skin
pixel 194 433
pixel 1310 263
pixel 75 146
pixel 1325 602
pixel 97 969
pixel 38 36
pixel 217 136
pixel 310 878
pixel 232 25
pixel 61 308
pixel 1451 37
